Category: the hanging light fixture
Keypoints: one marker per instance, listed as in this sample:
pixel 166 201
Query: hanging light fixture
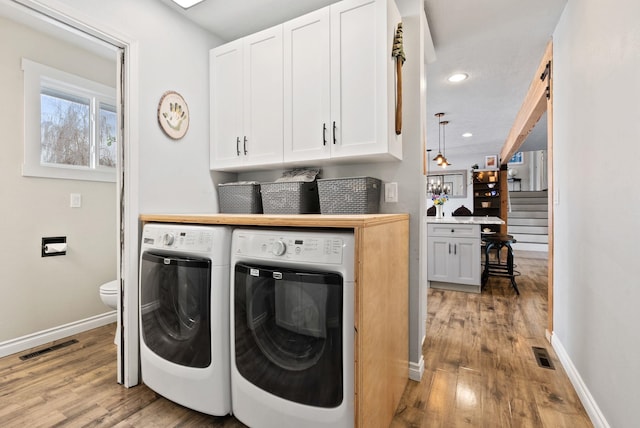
pixel 439 158
pixel 445 163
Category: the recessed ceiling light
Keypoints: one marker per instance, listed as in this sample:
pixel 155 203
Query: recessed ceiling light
pixel 185 4
pixel 467 135
pixel 458 77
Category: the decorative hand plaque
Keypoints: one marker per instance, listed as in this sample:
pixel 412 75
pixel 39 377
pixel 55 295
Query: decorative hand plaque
pixel 173 115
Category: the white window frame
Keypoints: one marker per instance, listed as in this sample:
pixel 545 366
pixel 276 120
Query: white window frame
pixel 35 77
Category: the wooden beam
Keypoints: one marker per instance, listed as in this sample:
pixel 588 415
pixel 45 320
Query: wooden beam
pixel 534 105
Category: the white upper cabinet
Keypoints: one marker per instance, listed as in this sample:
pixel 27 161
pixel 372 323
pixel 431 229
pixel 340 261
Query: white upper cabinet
pixel 363 79
pixel 307 92
pixel 341 56
pixel 332 101
pixel 226 128
pixel 247 102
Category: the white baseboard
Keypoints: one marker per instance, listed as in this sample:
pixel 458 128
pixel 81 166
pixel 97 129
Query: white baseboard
pixel 416 369
pixel 597 418
pixel 29 341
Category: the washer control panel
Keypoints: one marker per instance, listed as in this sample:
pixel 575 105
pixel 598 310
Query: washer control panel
pixel 296 247
pixel 178 238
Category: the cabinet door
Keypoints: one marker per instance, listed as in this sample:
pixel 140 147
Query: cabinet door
pixel 307 130
pixel 354 68
pixel 362 79
pixel 465 261
pixel 438 263
pixel 263 98
pixel 455 260
pixel 226 101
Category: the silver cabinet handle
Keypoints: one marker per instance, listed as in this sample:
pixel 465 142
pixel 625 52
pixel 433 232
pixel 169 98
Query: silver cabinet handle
pixel 244 145
pixel 238 146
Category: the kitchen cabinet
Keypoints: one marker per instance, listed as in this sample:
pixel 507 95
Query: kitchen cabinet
pixel 454 253
pixel 339 83
pixel 381 332
pixel 247 102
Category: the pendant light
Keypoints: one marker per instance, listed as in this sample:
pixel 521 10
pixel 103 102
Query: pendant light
pixel 445 163
pixel 439 158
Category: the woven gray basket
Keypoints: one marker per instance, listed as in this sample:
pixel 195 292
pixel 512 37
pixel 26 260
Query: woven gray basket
pixel 352 195
pixel 293 197
pixel 240 198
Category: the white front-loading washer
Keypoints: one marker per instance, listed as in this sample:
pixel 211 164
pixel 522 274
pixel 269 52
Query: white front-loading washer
pixel 184 314
pixel 292 328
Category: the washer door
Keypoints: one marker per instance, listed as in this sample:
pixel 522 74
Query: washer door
pixel 175 305
pixel 288 333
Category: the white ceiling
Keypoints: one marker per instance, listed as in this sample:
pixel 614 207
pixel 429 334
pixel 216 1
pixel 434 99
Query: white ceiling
pixel 499 43
pixel 231 19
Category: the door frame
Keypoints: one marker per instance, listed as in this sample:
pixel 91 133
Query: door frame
pixel 539 99
pixel 127 185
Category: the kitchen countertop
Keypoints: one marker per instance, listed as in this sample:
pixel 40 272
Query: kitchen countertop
pixel 465 220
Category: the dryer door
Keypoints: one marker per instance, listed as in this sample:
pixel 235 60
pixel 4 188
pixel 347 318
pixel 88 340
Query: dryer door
pixel 175 305
pixel 288 333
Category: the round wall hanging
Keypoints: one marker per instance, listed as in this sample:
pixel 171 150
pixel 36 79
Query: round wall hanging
pixel 173 115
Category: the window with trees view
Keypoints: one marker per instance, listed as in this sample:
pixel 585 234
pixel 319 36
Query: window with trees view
pixel 71 126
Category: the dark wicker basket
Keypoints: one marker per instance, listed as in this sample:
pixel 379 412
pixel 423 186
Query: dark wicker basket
pixel 240 198
pixel 353 195
pixel 290 197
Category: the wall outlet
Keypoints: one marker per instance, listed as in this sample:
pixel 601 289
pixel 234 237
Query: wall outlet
pixel 391 192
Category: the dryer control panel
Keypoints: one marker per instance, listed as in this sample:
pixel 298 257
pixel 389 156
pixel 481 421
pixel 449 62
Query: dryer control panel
pixel 303 247
pixel 178 237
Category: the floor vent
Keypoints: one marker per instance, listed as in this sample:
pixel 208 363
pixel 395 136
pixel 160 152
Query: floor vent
pixel 542 357
pixel 47 350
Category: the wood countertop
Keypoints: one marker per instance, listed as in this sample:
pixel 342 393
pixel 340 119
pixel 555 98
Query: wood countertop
pixel 282 220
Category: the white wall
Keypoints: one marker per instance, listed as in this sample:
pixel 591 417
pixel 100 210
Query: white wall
pixel 597 230
pixel 41 293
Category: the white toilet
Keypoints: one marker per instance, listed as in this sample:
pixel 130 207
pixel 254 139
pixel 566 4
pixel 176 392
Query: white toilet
pixel 109 296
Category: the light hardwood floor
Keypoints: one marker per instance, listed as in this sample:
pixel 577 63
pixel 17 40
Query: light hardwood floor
pixel 480 369
pixel 480 372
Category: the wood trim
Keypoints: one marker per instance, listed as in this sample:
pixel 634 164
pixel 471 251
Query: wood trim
pixel 534 105
pixel 550 193
pixel 504 203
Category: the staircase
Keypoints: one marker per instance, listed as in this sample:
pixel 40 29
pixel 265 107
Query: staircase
pixel 528 220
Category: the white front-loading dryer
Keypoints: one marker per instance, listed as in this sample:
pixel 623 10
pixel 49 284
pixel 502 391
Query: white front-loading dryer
pixel 292 328
pixel 184 314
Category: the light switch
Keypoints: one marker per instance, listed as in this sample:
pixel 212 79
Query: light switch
pixel 391 192
pixel 76 200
